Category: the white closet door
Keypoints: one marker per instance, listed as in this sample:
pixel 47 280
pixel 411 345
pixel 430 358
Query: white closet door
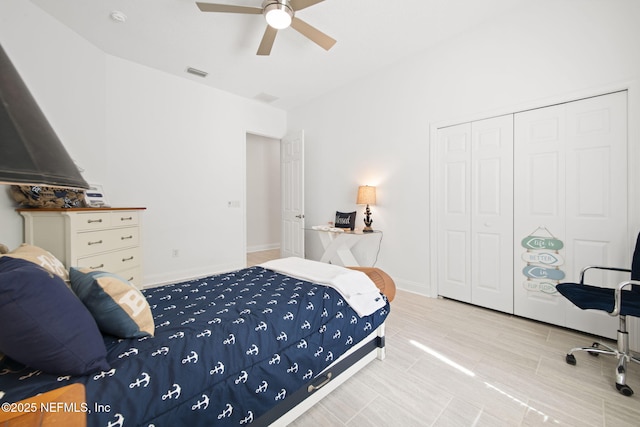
pixel 570 184
pixel 597 230
pixel 454 212
pixel 492 213
pixel 539 200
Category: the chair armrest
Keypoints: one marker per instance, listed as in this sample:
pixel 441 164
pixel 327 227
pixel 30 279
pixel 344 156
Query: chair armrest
pixel 599 267
pixel 618 295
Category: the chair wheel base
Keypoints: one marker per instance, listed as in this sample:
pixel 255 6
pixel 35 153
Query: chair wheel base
pixel 624 389
pixel 570 359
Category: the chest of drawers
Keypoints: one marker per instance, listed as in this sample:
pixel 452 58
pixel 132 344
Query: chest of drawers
pixel 105 239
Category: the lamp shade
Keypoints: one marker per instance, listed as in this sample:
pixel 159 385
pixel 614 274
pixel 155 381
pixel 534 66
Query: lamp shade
pixel 366 195
pixel 30 151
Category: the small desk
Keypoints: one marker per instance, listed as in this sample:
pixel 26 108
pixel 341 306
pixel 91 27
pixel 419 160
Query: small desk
pixel 337 245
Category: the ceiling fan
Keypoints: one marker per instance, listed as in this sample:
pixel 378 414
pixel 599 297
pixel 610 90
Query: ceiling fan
pixel 279 15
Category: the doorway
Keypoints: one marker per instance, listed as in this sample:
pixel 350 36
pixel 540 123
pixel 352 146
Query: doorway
pixel 263 198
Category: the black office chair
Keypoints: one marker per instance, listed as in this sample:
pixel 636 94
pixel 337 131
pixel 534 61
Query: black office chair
pixel 619 302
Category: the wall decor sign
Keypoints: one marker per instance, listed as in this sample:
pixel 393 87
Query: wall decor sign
pixel 543 259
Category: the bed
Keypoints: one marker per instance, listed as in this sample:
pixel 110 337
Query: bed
pixel 255 346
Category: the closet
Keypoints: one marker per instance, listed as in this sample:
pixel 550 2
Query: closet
pixel 526 200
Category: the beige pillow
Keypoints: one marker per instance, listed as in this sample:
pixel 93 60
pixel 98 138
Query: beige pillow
pixel 40 257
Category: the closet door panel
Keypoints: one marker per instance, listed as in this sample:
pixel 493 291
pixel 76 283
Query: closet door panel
pixel 539 184
pixel 597 230
pixel 454 261
pixel 492 213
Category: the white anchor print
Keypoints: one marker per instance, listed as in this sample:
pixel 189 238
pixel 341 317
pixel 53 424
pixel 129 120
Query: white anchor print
pixel 230 341
pixel 245 311
pixel 326 296
pixel 253 350
pixel 201 404
pixel 310 306
pixel 104 374
pixel 172 394
pixel 288 316
pixel 215 320
pixel 261 327
pixel 144 381
pixel 242 378
pixel 302 344
pixel 339 315
pixel 367 326
pixel 349 340
pixel 199 312
pixel 272 302
pixel 192 358
pixel 248 419
pixel 179 334
pixel 306 325
pixel 262 388
pixel 275 359
pixel 282 336
pixel 165 323
pixel 30 374
pixel 167 297
pixel 118 422
pixel 161 351
pixel 281 395
pixel 189 320
pixel 218 369
pixel 205 333
pixel 325 313
pixel 337 335
pixel 293 369
pixel 354 320
pixel 171 307
pixel 308 375
pixel 292 301
pixel 238 321
pixel 64 378
pixel 319 352
pixel 340 302
pixel 329 357
pixel 322 329
pixel 226 413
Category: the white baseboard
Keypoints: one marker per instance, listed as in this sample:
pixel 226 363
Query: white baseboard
pixel 265 247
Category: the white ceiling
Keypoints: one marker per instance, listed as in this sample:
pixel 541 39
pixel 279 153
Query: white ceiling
pixel 172 35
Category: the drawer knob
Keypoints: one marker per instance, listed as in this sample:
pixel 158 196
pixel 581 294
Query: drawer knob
pixel 127 259
pixel 126 237
pixel 99 242
pixel 91 221
pixel 97 266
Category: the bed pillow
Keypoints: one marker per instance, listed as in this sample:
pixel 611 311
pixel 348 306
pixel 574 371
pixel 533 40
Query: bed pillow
pixel 41 257
pixel 117 306
pixel 44 325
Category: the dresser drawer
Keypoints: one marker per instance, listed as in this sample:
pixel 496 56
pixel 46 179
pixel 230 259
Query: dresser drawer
pixel 92 220
pixel 125 218
pixel 94 242
pixel 132 275
pixel 112 262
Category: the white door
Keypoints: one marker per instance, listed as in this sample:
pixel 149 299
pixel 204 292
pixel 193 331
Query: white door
pixel 475 223
pixel 454 212
pixel 571 185
pixel 292 182
pixel 492 213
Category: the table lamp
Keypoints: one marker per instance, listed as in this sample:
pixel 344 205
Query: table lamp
pixel 366 196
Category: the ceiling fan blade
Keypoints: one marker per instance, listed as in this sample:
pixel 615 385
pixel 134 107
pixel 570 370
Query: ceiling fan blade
pixel 267 41
pixel 210 7
pixel 313 34
pixel 303 4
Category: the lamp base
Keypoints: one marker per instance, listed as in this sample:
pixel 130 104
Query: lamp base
pixel 367 229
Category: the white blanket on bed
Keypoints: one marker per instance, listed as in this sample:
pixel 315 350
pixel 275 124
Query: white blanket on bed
pixel 354 286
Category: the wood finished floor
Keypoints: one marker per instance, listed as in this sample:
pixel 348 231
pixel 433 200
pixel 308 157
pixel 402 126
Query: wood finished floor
pixel 453 364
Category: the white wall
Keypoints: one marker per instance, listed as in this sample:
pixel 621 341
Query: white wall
pixel 380 126
pixel 151 139
pixel 263 193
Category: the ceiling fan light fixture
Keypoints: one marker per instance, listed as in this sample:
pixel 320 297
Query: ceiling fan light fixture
pixel 278 14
